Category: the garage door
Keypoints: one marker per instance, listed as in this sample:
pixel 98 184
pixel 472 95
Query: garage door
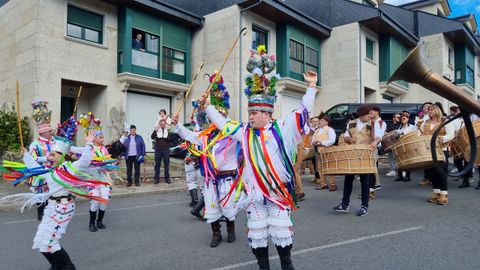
pixel 289 104
pixel 142 111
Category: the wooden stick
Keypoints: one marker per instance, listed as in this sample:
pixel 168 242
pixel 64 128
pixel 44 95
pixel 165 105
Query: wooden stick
pixel 242 32
pixel 190 88
pixel 77 100
pixel 19 117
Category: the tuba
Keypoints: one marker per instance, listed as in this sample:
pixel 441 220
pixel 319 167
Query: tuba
pixel 415 70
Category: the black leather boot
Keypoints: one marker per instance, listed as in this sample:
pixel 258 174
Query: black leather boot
pixel 62 260
pixel 407 177
pixel 49 258
pixel 91 226
pixel 40 208
pixel 465 183
pixel 285 257
pixel 194 197
pixel 399 177
pixel 196 211
pixel 262 258
pixel 217 235
pixel 230 231
pixel 100 225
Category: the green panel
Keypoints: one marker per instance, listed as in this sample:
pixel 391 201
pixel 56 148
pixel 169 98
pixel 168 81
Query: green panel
pixel 173 77
pixel 282 49
pixel 84 18
pixel 391 54
pixel 460 64
pixel 145 71
pixel 146 22
pixel 175 36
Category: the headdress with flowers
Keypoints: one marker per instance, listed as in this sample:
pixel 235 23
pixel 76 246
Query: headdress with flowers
pixel 219 96
pixel 41 115
pixel 65 136
pixel 261 90
pixel 89 122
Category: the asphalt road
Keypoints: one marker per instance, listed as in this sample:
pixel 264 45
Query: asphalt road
pixel 402 231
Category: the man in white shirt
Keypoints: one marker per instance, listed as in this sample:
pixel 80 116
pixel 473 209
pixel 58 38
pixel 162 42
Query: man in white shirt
pixel 380 127
pixel 324 136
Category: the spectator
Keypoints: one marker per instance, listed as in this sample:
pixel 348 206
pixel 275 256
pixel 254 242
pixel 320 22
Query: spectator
pixel 161 136
pixel 137 43
pixel 134 153
pixel 162 115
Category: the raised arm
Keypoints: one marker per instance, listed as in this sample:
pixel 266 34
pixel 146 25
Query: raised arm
pixel 86 157
pixel 221 122
pixel 187 134
pixel 29 160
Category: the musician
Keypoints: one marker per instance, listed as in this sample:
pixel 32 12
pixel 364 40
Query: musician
pixel 324 136
pixel 405 128
pixel 382 127
pixel 359 131
pixel 459 162
pixel 396 124
pixel 305 153
pixel 447 133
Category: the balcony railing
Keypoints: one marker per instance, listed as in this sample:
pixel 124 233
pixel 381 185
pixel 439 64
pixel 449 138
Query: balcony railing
pixel 145 59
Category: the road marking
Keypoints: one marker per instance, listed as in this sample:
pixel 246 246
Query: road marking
pixel 109 210
pixel 342 243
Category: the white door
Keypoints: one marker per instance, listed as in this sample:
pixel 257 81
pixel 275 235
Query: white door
pixel 142 111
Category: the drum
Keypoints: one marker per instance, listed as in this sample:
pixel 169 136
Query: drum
pixel 456 148
pixel 347 159
pixel 412 151
pixel 388 140
pixel 463 144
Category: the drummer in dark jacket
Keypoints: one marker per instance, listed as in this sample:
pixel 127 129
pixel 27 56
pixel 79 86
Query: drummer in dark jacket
pixel 161 136
pixel 134 153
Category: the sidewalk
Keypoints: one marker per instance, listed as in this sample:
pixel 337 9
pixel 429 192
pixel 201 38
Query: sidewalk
pixel 119 188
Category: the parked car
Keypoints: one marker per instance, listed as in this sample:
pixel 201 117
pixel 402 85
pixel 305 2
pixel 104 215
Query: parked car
pixel 341 113
pixel 175 141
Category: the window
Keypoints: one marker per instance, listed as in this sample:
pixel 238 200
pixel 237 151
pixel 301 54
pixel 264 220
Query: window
pixel 145 49
pixel 339 111
pixel 450 56
pixel 370 48
pixel 259 37
pixel 173 61
pixel 84 25
pixel 296 57
pixel 469 76
pixel 311 59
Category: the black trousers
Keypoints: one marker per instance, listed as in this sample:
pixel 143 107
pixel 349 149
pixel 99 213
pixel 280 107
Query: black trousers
pixel 159 156
pixel 132 162
pixel 460 164
pixel 348 187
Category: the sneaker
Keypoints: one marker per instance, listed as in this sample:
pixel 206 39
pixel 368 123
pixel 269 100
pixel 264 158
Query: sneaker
pixel 341 208
pixel 362 212
pixel 377 187
pixel 392 173
pixel 454 170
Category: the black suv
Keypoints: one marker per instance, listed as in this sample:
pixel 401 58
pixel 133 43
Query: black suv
pixel 341 113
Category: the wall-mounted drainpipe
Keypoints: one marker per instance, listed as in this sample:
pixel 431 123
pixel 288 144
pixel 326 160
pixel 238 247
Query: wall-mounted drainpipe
pixel 360 96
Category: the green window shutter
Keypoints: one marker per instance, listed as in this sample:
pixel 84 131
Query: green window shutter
pixel 84 18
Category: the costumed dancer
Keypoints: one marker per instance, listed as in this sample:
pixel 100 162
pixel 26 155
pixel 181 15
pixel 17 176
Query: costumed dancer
pixel 219 162
pixel 359 131
pixel 101 167
pixel 447 133
pixel 63 182
pixel 269 147
pixel 405 128
pixel 191 174
pixel 40 148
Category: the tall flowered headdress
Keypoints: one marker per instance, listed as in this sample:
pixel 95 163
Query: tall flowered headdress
pixel 261 89
pixel 89 122
pixel 42 116
pixel 65 137
pixel 220 99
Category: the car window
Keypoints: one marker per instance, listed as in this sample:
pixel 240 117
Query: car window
pixel 340 111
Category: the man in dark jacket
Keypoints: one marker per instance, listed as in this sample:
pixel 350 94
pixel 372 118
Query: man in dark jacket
pixel 134 153
pixel 162 150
